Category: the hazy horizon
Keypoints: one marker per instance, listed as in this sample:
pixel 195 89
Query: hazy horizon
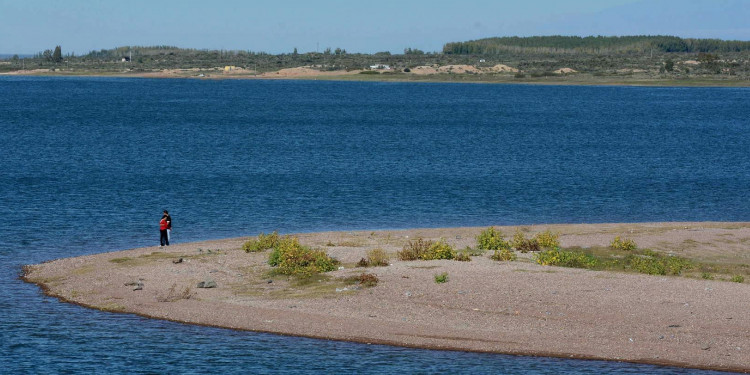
pixel 81 26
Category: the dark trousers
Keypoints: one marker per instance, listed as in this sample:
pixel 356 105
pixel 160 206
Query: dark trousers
pixel 164 239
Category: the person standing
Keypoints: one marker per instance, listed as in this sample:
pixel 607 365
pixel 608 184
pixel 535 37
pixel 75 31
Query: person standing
pixel 169 225
pixel 163 236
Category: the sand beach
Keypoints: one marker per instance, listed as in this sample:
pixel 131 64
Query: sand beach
pixel 518 307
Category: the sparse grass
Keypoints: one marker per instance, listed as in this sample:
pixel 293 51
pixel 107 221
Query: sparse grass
pixel 504 255
pixel 146 258
pixel 562 258
pixel 441 278
pixel 707 276
pixel 367 280
pixel 474 252
pixel 378 257
pixel 738 279
pixel 463 257
pixel 174 295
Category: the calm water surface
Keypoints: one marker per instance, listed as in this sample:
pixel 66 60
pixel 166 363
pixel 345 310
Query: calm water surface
pixel 89 163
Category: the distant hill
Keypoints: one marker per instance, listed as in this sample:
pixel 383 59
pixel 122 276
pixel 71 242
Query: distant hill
pixel 593 44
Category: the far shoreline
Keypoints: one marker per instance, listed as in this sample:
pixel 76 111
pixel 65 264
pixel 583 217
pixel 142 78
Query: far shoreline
pixel 568 313
pixel 563 80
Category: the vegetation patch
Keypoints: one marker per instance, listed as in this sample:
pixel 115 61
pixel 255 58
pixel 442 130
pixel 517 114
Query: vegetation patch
pixel 492 239
pixel 441 278
pixel 427 250
pixel 504 255
pixel 367 280
pixel 291 258
pixel 623 244
pixel 562 258
pixel 263 242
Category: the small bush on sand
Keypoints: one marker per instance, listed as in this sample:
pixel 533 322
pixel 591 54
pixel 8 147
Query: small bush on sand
pixel 377 257
pixel 366 280
pixel 263 242
pixel 363 263
pixel 504 255
pixel 707 276
pixel 557 257
pixel 738 279
pixel 440 250
pixel 463 257
pixel 623 244
pixel 441 278
pixel 548 239
pixel 492 239
pixel 292 258
pixel 523 244
pixel 414 249
pixel 427 250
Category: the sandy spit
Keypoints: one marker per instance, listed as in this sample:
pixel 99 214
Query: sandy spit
pixel 486 306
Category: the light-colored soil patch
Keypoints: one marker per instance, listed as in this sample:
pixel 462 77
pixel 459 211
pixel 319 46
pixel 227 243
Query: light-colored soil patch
pixel 486 306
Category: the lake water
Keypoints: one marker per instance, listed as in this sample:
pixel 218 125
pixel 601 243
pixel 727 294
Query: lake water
pixel 88 164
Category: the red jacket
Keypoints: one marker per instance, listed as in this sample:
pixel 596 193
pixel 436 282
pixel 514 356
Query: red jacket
pixel 163 224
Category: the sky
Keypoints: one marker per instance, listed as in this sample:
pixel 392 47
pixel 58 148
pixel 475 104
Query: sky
pixel 279 26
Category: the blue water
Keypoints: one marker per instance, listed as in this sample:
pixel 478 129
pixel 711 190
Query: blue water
pixel 88 164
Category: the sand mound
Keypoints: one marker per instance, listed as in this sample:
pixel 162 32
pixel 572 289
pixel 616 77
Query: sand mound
pixel 458 69
pixel 502 68
pixel 565 71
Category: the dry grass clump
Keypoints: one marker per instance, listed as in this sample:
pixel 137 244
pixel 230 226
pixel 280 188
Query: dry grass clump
pixel 375 258
pixel 504 255
pixel 367 280
pixel 173 295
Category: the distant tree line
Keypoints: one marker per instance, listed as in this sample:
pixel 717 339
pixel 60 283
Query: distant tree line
pixel 593 44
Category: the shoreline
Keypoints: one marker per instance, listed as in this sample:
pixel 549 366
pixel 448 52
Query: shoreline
pixel 563 80
pixel 516 308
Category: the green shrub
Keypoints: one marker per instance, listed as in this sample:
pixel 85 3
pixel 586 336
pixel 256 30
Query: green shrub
pixel 707 276
pixel 439 250
pixel 377 257
pixel 518 239
pixel 292 258
pixel 548 239
pixel 441 278
pixel 491 239
pixel 557 257
pixel 623 244
pixel 738 279
pixel 503 255
pixel 263 242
